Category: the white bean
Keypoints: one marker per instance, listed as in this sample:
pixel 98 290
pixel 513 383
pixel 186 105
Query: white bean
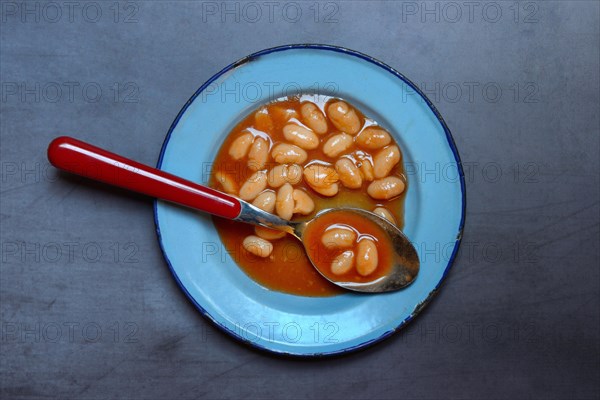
pixel 338 238
pixel 386 188
pixel 337 144
pixel 303 204
pixel 240 146
pixel 373 138
pixel 257 246
pixel 344 117
pixel 258 155
pixel 366 257
pixel 348 173
pixel 263 121
pixel 288 153
pixel 328 191
pixel 227 182
pixel 343 263
pixel 301 136
pixel 277 176
pixel 268 233
pixel 294 174
pixel 313 118
pixel 385 213
pixel 366 169
pixel 253 186
pixel 318 175
pixel 283 113
pixel 283 173
pixel 385 160
pixel 284 205
pixel 265 201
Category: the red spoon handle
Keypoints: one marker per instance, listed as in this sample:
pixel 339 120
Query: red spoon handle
pixel 83 159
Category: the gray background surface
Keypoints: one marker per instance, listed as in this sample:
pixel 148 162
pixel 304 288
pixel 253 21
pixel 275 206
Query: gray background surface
pixel 518 315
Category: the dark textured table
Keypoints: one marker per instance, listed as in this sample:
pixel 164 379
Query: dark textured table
pixel 89 308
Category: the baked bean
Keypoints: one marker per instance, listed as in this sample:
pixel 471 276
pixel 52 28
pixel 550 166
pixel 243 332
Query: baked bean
pixel 253 186
pixel 263 121
pixel 366 169
pixel 277 176
pixel 319 175
pixel 294 174
pixel 288 153
pixel 301 136
pixel 338 238
pixel 386 188
pixel 258 155
pixel 327 191
pixel 227 182
pixel 265 201
pixel 348 173
pixel 258 246
pixel 283 114
pixel 385 160
pixel 373 138
pixel 366 257
pixel 343 263
pixel 337 144
pixel 384 213
pixel 313 118
pixel 303 204
pixel 344 117
pixel 268 233
pixel 284 204
pixel 283 173
pixel 240 146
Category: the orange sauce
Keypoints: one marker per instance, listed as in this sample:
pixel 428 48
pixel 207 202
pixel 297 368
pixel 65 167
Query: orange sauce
pixel 288 269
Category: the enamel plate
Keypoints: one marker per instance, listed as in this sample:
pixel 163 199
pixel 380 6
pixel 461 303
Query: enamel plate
pixel 434 208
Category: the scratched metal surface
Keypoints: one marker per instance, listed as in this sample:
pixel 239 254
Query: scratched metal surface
pixel 88 306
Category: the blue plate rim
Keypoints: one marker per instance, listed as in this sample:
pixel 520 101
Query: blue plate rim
pixel 449 137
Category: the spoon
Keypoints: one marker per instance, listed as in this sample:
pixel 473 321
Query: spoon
pixel 83 159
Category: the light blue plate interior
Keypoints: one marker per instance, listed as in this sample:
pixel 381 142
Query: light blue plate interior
pixel 434 204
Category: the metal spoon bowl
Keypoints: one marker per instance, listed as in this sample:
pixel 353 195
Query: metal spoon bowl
pixel 405 263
